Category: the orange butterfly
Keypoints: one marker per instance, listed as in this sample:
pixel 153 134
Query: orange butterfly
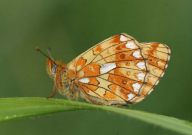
pixel 117 71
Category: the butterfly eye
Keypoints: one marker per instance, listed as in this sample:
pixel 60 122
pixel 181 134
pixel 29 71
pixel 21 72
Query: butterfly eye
pixel 53 69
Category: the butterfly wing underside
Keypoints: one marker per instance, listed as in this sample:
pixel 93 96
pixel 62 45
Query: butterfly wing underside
pixel 119 70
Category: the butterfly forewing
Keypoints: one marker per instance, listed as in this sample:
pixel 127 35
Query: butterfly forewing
pixel 119 70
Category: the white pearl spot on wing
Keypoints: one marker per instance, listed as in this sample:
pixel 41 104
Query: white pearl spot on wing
pixel 136 87
pixel 137 54
pixel 107 67
pixel 150 91
pixel 84 80
pixel 162 74
pixel 141 65
pixel 168 58
pixel 169 50
pixel 130 96
pixel 123 38
pixel 157 82
pixel 131 45
pixel 139 99
pixel 140 76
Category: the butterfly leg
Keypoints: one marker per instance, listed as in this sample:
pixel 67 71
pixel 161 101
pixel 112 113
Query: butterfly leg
pixel 54 92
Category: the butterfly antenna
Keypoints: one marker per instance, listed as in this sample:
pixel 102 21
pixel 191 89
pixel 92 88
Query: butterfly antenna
pixel 49 53
pixel 44 54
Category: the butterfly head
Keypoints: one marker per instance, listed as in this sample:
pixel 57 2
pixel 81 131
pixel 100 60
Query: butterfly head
pixel 53 67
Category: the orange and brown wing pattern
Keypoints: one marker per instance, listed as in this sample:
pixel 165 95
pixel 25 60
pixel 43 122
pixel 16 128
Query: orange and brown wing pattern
pixel 157 56
pixel 91 54
pixel 118 70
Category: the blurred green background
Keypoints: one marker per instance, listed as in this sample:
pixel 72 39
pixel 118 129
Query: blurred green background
pixel 70 27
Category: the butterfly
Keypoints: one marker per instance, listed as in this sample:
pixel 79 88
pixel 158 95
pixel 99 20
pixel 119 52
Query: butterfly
pixel 116 71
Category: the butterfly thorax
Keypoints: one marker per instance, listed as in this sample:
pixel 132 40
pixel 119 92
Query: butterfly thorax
pixel 58 71
pixel 61 81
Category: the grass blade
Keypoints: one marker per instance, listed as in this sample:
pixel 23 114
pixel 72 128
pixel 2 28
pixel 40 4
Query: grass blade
pixel 12 108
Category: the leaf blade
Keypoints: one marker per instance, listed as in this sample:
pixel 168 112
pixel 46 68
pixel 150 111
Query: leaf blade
pixel 12 108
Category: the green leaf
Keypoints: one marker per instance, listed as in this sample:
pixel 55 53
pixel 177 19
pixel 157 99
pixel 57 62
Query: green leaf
pixel 12 108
